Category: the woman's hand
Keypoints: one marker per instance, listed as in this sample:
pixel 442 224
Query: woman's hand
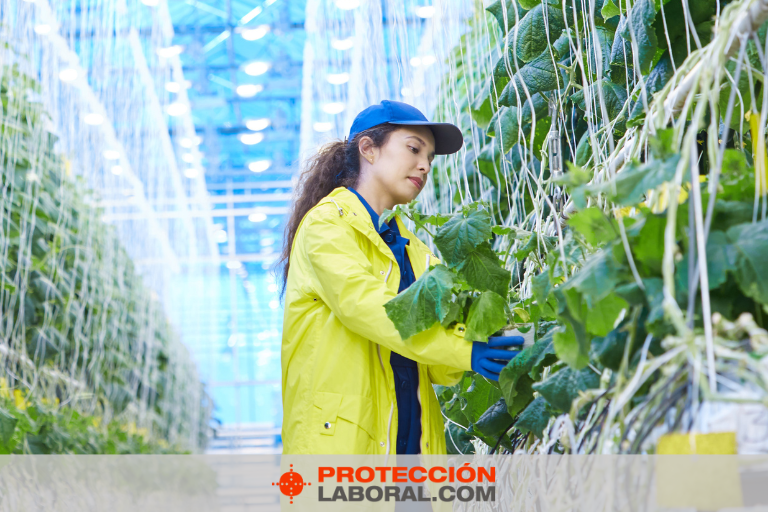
pixel 488 359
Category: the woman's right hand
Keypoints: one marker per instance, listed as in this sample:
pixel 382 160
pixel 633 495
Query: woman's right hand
pixel 488 359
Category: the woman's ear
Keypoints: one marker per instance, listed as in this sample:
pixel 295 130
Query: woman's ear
pixel 367 149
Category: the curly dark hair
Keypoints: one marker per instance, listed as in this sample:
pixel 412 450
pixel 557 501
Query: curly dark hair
pixel 336 164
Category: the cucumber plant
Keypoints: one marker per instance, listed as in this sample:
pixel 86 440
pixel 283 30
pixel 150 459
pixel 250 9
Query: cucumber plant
pixel 618 158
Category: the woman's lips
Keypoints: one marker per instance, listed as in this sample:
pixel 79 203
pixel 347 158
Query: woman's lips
pixel 416 182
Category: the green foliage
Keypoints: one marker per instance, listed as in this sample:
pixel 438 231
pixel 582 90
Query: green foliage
pixel 531 33
pixel 82 327
pixel 562 388
pixel 424 303
pixel 594 294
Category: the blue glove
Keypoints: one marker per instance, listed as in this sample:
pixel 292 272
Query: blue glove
pixel 488 359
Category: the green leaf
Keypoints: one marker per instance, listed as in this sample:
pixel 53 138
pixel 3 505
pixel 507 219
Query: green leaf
pixel 604 39
pixel 643 14
pixel 722 258
pixel 594 225
pixel 661 74
pixel 7 426
pixel 596 279
pixel 498 9
pixel 454 314
pixel 546 355
pixel 480 395
pixel 541 286
pixel 539 75
pixel 583 150
pixel 562 46
pixel 482 110
pixel 634 181
pixel 534 418
pixel 529 4
pixel 531 34
pixel 462 234
pixel 603 315
pixel 495 420
pixel 515 379
pixel 503 231
pixel 609 351
pixel 570 348
pixel 486 316
pixel 751 243
pixel 483 271
pixel 423 303
pixel 614 95
pixel 562 388
pixel 457 440
pixel 648 245
pixel 609 10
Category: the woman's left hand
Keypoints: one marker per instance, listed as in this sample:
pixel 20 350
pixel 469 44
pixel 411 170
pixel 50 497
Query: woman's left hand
pixel 488 359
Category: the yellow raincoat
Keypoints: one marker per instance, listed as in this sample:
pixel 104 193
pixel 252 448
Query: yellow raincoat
pixel 338 385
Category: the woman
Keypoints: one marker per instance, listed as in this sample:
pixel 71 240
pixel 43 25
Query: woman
pixel 351 384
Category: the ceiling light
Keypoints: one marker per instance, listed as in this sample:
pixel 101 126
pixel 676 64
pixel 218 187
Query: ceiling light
pixel 188 157
pixel 187 142
pixel 250 139
pixel 234 264
pixel 347 5
pixel 117 170
pixel 176 109
pixel 272 288
pixel 173 87
pixel 266 242
pixel 248 90
pixel 406 91
pixel 334 108
pixel 256 125
pixel 273 304
pixel 257 217
pixel 252 34
pixel 111 154
pixel 150 3
pixel 260 165
pixel 220 236
pixel 337 78
pixel 426 11
pixel 322 127
pixel 256 68
pixel 428 60
pixel 416 61
pixel 343 44
pixel 42 28
pixel 170 51
pixel 190 172
pixel 68 75
pixel 93 119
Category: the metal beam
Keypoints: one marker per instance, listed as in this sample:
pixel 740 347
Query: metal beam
pixel 223 212
pixel 242 258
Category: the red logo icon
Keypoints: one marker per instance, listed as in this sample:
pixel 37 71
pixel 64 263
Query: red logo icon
pixel 291 483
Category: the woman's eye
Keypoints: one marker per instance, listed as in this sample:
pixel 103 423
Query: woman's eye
pixel 413 149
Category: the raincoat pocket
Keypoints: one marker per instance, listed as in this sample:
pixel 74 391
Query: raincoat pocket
pixel 334 411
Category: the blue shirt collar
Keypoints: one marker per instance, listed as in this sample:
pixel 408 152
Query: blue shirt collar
pixel 372 212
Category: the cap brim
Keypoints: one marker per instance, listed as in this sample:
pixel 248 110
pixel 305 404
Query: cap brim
pixel 448 137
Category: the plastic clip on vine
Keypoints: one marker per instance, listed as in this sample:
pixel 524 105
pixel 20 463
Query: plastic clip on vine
pixel 554 145
pixel 488 359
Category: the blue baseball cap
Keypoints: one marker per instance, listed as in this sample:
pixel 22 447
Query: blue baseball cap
pixel 448 137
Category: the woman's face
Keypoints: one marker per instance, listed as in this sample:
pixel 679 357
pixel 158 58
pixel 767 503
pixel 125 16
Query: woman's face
pixel 400 168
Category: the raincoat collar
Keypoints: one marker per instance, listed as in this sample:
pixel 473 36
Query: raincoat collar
pixel 356 214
